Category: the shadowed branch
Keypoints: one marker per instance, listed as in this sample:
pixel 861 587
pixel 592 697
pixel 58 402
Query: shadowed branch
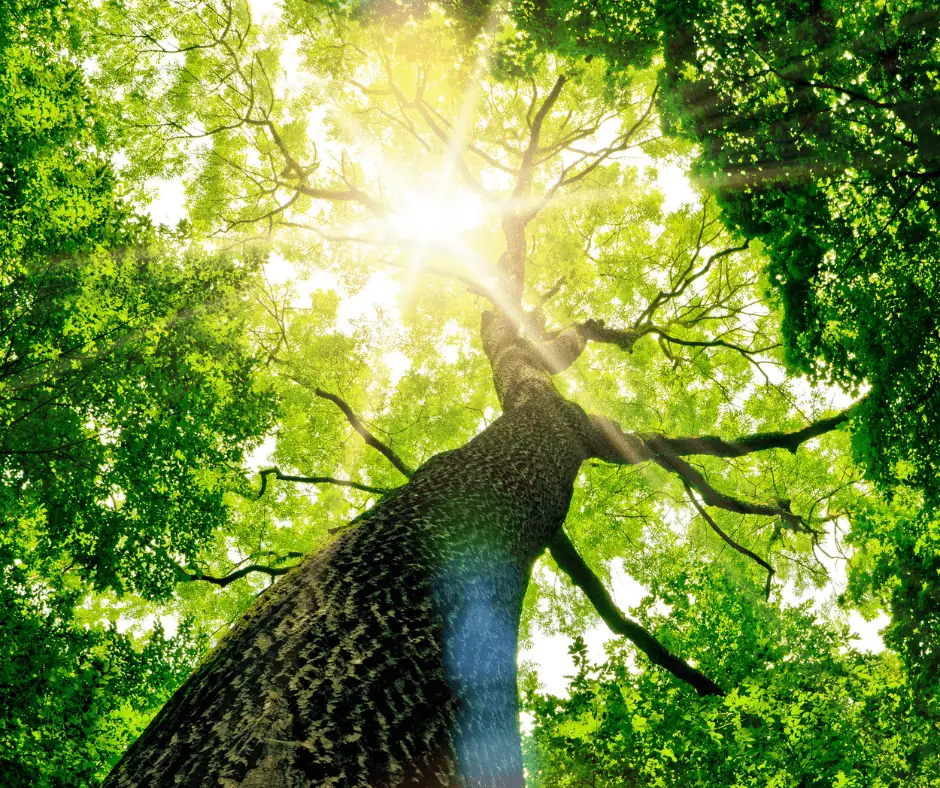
pixel 286 477
pixel 573 565
pixel 714 446
pixel 367 436
pixel 730 542
pixel 626 338
pixel 184 575
pixel 614 445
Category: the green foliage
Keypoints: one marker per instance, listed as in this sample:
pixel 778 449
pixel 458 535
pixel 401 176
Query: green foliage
pixel 899 563
pixel 804 709
pixel 617 31
pixel 127 396
pixel 817 126
pixel 74 693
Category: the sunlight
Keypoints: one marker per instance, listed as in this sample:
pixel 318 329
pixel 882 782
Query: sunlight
pixel 437 216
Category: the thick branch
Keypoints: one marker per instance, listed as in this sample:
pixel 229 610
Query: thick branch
pixel 560 352
pixel 511 265
pixel 527 167
pixel 693 477
pixel 573 565
pixel 367 436
pixel 285 477
pixel 597 331
pixel 713 446
pixel 730 542
pixel 350 194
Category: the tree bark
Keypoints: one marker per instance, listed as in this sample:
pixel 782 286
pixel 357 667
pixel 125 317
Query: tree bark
pixel 389 658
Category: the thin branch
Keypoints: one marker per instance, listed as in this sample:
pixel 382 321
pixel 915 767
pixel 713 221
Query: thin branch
pixel 573 565
pixel 285 477
pixel 730 542
pixel 689 275
pixel 367 436
pixel 708 343
pixel 691 476
pixel 184 575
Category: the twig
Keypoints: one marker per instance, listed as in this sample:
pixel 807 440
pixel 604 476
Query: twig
pixel 729 541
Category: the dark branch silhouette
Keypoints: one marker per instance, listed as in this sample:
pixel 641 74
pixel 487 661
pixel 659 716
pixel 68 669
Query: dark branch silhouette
pixel 192 575
pixel 367 436
pixel 626 338
pixel 730 542
pixel 573 565
pixel 714 446
pixel 614 445
pixel 286 477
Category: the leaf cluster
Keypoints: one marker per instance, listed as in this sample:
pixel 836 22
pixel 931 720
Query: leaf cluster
pixel 806 708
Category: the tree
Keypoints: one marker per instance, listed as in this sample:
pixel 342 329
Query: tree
pixel 819 136
pixel 608 324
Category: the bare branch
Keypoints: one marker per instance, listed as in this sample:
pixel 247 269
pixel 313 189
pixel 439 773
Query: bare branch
pixel 191 575
pixel 549 294
pixel 573 565
pixel 612 444
pixel 350 194
pixel 730 542
pixel 713 446
pixel 285 477
pixel 623 143
pixel 689 275
pixel 561 351
pixel 511 266
pixel 367 436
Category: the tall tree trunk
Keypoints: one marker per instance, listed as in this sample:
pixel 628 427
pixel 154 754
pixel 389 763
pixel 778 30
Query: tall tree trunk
pixel 389 658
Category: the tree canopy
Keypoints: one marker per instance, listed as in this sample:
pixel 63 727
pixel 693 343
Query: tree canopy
pixel 188 410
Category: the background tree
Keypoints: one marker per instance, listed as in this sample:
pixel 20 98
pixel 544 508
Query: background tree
pixel 819 135
pixel 125 399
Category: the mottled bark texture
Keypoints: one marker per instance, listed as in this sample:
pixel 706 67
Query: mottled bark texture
pixel 389 658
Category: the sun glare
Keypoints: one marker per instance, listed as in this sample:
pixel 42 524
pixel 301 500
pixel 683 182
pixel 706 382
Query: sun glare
pixel 435 217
